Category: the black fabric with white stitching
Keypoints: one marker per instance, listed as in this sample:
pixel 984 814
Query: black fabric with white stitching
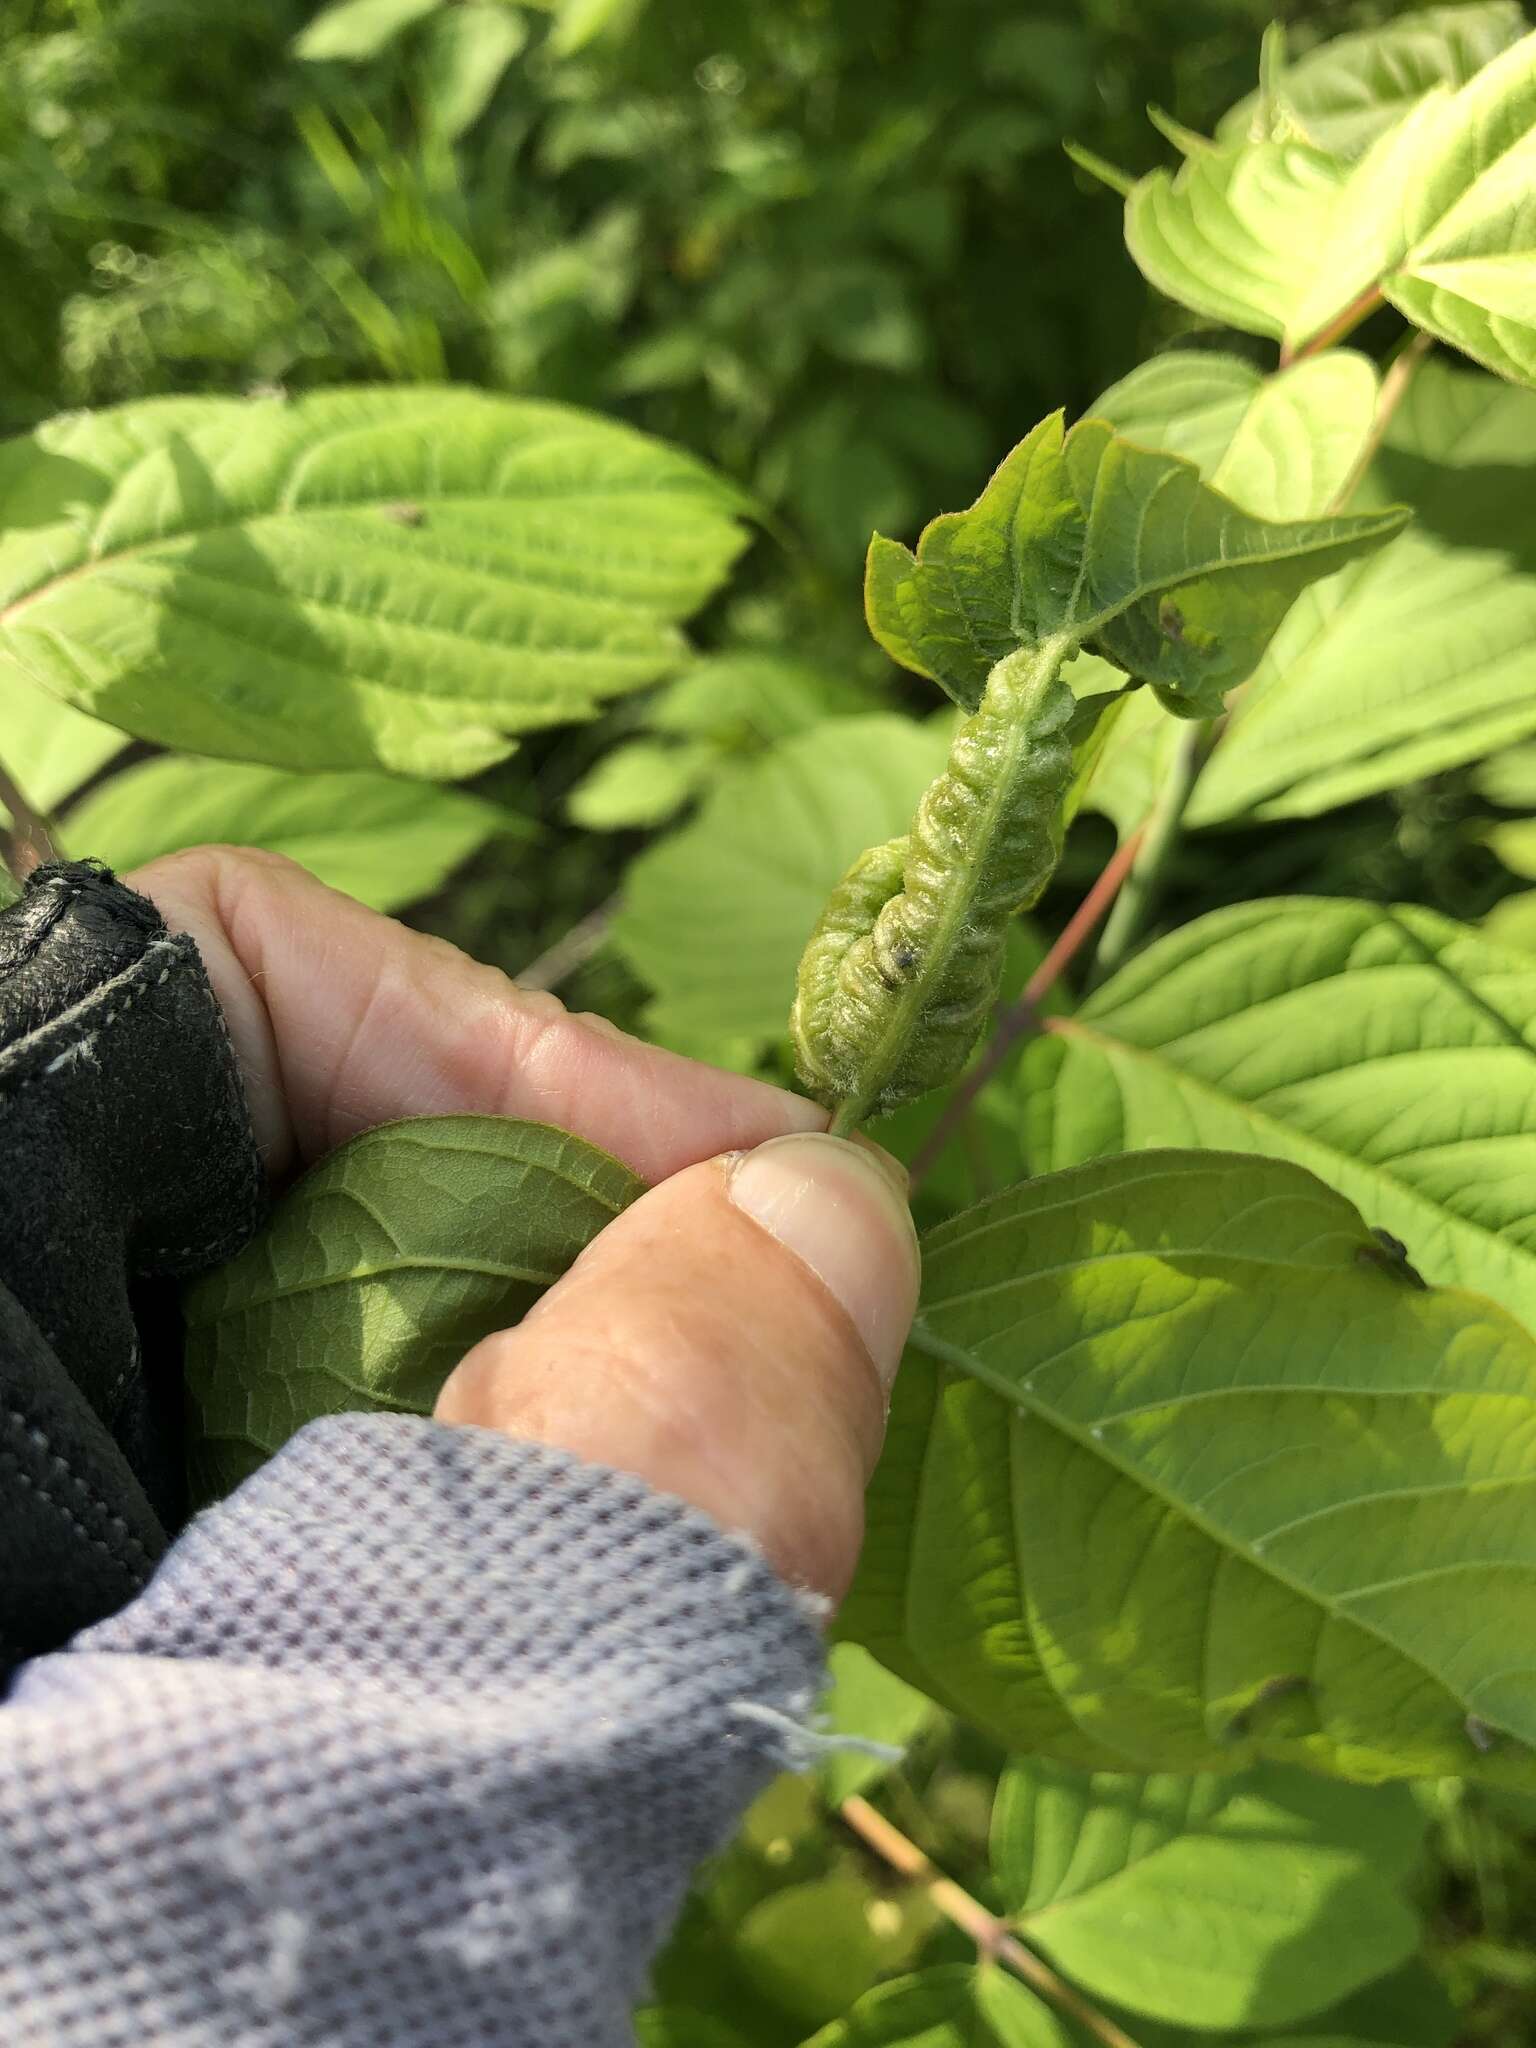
pixel 127 1152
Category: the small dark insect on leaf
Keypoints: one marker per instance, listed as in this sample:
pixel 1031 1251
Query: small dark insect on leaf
pixel 905 958
pixel 1480 1735
pixel 1171 620
pixel 404 514
pixel 1287 1686
pixel 1391 1255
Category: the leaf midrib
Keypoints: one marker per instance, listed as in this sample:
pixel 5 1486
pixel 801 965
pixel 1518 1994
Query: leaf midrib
pixel 960 1358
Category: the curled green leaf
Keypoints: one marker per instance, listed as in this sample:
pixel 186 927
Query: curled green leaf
pixel 902 971
pixel 1123 550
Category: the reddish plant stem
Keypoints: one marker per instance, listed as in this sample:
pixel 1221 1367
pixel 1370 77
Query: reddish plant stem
pixel 992 1936
pixel 1022 1017
pixel 29 842
pixel 1336 329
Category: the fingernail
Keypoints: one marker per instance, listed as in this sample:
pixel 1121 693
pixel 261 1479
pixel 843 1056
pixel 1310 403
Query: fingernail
pixel 842 1210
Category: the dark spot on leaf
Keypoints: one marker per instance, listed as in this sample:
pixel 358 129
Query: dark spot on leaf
pixel 1171 620
pixel 1390 1255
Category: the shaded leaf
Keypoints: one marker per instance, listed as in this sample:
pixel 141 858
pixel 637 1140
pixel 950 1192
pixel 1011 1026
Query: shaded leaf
pixel 954 2006
pixel 715 917
pixel 356 578
pixel 1062 542
pixel 641 783
pixel 1253 1900
pixel 385 841
pixel 1389 1050
pixel 1184 1468
pixel 379 1270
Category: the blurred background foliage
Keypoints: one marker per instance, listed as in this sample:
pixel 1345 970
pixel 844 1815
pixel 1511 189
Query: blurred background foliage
pixel 834 247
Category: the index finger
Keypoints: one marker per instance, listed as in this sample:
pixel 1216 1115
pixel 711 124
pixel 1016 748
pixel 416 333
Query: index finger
pixel 342 1019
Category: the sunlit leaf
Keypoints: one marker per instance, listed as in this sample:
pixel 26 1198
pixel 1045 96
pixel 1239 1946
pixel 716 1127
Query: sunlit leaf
pixel 1063 541
pixel 353 30
pixel 1185 1466
pixel 954 2006
pixel 385 841
pixel 397 578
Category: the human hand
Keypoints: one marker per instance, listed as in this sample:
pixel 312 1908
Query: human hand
pixel 730 1338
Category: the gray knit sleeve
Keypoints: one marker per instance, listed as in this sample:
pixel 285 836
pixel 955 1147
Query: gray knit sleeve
pixel 414 1740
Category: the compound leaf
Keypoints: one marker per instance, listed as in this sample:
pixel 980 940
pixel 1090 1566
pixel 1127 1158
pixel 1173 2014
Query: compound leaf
pixel 379 1270
pixel 1187 1467
pixel 396 578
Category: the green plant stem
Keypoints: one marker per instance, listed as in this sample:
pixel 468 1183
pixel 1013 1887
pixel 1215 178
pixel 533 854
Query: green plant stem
pixel 557 963
pixel 993 1938
pixel 30 841
pixel 1144 882
pixel 1400 373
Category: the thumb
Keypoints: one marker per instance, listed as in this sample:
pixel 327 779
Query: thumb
pixel 732 1339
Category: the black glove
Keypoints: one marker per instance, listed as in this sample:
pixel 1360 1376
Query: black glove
pixel 126 1156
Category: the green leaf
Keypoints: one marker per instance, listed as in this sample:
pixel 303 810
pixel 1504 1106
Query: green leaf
pixel 715 917
pixel 1186 1468
pixel 871 1704
pixel 394 577
pixel 1514 844
pixel 1282 446
pixel 1513 922
pixel 379 1270
pixel 354 30
pixel 579 22
pixel 811 1949
pixel 50 749
pixel 954 2006
pixel 382 840
pixel 467 51
pixel 745 699
pixel 1408 2009
pixel 1509 779
pixel 674 2027
pixel 640 783
pixel 1281 237
pixel 1347 92
pixel 1419 659
pixel 1061 542
pixel 1273 1894
pixel 1390 1050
